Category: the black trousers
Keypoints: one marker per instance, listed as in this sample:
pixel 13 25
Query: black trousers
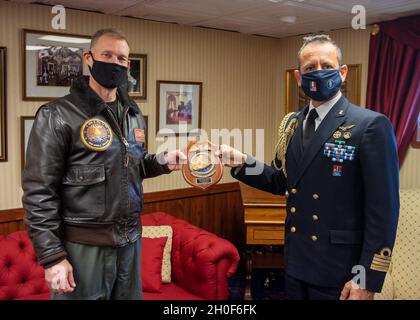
pixel 299 290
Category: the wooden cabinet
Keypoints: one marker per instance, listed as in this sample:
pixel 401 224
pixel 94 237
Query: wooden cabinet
pixel 265 216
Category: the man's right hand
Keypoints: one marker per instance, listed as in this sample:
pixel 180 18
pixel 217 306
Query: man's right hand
pixel 230 157
pixel 60 277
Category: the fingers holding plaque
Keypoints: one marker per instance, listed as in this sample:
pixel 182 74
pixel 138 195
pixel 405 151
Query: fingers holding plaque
pixel 203 169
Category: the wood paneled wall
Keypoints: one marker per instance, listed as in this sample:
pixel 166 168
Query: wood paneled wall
pixel 218 210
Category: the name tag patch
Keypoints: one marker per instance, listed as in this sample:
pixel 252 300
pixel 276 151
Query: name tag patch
pixel 139 135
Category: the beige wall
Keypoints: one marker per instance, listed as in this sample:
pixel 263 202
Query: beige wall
pixel 243 78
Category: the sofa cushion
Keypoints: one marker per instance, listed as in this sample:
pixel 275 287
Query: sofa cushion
pixel 20 274
pixel 157 232
pixel 171 291
pixel 151 263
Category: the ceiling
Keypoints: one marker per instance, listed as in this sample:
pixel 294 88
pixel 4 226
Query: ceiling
pixel 273 18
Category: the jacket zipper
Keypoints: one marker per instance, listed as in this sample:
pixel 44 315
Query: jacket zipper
pixel 120 133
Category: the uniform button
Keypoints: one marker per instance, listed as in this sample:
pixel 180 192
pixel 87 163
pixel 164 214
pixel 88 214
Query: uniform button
pixel 315 217
pixel 293 229
pixel 314 238
pixel 315 196
pixel 292 209
pixel 294 191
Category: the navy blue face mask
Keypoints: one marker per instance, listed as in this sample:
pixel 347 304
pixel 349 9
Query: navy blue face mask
pixel 321 85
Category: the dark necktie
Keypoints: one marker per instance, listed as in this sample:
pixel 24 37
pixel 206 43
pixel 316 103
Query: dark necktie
pixel 309 129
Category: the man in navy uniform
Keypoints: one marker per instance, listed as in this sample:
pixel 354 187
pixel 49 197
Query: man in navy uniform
pixel 339 169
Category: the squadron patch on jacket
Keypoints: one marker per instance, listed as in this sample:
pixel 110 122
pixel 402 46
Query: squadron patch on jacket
pixel 96 134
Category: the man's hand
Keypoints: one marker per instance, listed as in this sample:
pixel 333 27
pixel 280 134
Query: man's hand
pixel 352 291
pixel 230 157
pixel 60 278
pixel 175 159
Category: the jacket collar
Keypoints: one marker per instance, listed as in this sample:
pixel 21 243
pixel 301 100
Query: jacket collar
pixel 92 102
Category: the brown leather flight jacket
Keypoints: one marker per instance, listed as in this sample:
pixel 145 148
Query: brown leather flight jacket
pixel 82 180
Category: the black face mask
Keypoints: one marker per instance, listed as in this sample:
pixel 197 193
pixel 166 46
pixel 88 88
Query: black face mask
pixel 108 75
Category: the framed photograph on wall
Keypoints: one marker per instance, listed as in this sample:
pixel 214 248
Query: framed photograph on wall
pixel 3 115
pixel 26 123
pixel 51 62
pixel 137 76
pixel 178 107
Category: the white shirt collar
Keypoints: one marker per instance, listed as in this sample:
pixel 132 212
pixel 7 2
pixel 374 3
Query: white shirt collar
pixel 324 108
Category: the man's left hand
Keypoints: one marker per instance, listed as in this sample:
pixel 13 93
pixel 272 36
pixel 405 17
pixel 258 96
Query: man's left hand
pixel 175 159
pixel 352 291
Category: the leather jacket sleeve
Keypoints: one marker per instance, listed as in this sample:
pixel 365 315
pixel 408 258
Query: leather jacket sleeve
pixel 41 180
pixel 153 165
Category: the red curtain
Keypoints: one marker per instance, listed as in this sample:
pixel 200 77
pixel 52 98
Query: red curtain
pixel 394 77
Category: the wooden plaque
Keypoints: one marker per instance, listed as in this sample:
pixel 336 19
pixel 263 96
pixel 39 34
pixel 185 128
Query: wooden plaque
pixel 203 169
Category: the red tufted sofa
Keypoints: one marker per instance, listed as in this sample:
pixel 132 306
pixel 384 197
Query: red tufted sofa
pixel 201 264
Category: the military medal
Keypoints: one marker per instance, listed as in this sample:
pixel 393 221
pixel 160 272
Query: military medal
pixel 347 135
pixel 203 168
pixel 96 134
pixel 337 135
pixel 339 152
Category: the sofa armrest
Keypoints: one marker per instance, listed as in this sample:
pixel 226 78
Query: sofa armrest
pixel 201 261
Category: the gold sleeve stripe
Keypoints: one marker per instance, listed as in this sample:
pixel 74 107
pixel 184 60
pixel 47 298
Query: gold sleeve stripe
pixel 381 264
pixel 379 268
pixel 382 261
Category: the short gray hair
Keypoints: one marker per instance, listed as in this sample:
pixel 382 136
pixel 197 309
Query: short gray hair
pixel 320 38
pixel 109 32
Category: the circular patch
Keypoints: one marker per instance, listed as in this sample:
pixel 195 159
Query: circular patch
pixel 330 84
pixel 96 134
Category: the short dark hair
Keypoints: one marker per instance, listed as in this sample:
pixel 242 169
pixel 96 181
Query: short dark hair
pixel 320 38
pixel 109 32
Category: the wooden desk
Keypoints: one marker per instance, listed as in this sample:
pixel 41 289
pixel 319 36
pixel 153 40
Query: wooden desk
pixel 265 215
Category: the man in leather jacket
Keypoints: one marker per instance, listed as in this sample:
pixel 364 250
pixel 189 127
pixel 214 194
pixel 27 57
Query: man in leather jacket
pixel 82 181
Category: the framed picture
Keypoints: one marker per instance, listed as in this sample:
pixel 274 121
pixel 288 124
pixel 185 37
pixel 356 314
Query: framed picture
pixel 137 76
pixel 295 98
pixel 146 121
pixel 26 123
pixel 51 62
pixel 178 107
pixel 3 116
pixel 416 138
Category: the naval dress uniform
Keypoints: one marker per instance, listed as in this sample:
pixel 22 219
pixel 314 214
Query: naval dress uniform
pixel 342 192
